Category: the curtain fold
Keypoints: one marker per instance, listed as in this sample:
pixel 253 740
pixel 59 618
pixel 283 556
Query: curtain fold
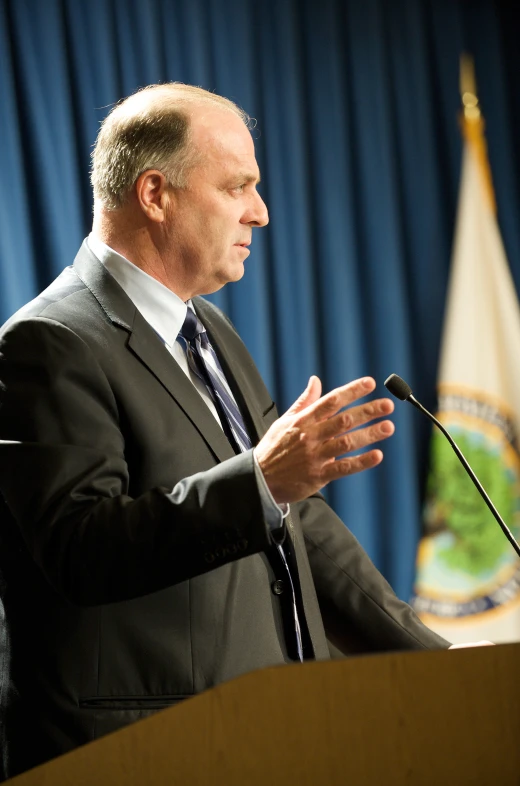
pixel 356 103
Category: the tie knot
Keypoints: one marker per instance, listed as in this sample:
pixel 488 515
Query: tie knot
pixel 191 327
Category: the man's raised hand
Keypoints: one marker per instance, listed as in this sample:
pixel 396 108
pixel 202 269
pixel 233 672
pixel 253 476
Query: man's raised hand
pixel 299 453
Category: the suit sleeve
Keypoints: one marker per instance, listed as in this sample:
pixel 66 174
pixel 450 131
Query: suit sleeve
pixel 360 610
pixel 64 481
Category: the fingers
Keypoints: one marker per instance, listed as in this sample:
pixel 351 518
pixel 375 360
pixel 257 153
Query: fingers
pixel 350 466
pixel 310 395
pixel 298 455
pixel 354 440
pixel 329 404
pixel 356 416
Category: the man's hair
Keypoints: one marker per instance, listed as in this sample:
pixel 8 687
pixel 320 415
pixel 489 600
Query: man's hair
pixel 149 130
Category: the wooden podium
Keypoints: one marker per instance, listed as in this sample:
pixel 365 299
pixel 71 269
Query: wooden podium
pixel 407 718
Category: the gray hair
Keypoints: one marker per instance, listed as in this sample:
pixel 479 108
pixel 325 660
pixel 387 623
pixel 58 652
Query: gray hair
pixel 149 130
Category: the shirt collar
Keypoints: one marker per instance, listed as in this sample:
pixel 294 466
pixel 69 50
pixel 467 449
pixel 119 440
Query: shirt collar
pixel 162 308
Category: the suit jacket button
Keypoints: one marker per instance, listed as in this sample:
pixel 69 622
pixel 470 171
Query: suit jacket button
pixel 278 587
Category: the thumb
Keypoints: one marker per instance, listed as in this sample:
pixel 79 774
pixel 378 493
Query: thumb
pixel 311 394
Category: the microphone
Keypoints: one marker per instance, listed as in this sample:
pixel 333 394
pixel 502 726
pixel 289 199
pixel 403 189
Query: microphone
pixel 401 390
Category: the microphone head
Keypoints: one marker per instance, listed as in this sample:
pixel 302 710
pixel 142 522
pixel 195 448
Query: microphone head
pixel 398 387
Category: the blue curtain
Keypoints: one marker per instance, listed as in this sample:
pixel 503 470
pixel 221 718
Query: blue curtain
pixel 356 104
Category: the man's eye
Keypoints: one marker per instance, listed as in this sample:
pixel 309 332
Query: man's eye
pixel 238 189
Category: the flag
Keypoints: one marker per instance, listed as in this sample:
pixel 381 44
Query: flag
pixel 468 575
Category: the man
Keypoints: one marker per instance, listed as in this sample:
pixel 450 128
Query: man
pixel 148 551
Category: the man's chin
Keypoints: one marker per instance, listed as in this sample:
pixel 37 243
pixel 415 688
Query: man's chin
pixel 234 273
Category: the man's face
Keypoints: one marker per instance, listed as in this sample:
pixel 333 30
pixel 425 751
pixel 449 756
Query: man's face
pixel 209 224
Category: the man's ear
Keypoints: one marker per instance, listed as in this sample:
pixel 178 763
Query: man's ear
pixel 151 190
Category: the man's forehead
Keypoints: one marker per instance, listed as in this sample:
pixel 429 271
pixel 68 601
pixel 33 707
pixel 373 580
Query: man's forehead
pixel 222 134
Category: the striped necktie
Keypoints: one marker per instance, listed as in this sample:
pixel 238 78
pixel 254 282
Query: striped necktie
pixel 204 363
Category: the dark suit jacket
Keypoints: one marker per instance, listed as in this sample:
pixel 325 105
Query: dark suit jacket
pixel 120 596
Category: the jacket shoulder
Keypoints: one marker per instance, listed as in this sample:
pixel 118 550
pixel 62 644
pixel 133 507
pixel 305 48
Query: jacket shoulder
pixel 49 302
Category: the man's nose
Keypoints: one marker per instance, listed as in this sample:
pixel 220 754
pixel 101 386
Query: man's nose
pixel 258 214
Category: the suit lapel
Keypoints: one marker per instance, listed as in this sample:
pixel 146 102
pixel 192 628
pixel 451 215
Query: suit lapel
pixel 150 350
pixel 146 345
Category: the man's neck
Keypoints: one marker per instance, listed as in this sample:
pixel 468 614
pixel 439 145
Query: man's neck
pixel 130 237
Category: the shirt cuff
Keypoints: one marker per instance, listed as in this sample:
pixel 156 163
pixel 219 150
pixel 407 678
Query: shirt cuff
pixel 274 514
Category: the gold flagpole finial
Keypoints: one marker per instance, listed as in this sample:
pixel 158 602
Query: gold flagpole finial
pixel 473 124
pixel 468 88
